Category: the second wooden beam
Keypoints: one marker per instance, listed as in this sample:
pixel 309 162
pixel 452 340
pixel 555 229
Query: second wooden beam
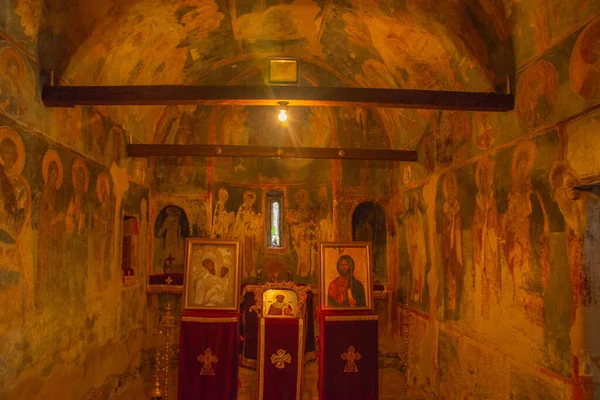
pixel 215 150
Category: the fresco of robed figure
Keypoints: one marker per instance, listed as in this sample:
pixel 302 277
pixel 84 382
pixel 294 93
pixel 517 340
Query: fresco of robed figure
pixel 346 275
pixel 211 274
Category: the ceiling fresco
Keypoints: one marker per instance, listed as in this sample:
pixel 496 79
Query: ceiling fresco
pixel 424 44
pixel 419 44
pixel 498 34
pixel 153 41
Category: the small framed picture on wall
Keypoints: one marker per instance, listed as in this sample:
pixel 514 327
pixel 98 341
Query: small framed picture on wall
pixel 345 280
pixel 212 275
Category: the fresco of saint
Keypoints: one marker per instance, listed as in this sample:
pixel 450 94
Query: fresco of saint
pixel 178 125
pixel 174 240
pixel 12 74
pixel 573 205
pixel 181 170
pixel 461 134
pixel 248 229
pixel 222 219
pixel 486 129
pixel 451 251
pixel 234 125
pixel 517 224
pixel 585 63
pixel 415 243
pixel 51 227
pixel 324 218
pixel 76 228
pixel 486 261
pixel 443 139
pixel 14 190
pixel 537 94
pixel 303 232
pixel 102 224
pixel 15 200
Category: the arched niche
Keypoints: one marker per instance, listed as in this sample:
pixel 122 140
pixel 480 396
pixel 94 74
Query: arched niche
pixel 170 232
pixel 369 225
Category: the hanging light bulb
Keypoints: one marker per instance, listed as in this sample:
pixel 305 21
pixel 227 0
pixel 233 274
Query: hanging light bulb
pixel 282 115
pixel 282 111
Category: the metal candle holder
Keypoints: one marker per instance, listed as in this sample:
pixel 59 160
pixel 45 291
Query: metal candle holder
pixel 156 393
pixel 168 322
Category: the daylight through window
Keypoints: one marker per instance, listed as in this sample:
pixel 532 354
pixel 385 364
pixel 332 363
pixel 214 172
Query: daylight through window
pixel 275 238
pixel 275 202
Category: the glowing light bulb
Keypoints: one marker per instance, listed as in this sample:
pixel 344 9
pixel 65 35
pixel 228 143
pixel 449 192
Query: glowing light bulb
pixel 282 115
pixel 282 111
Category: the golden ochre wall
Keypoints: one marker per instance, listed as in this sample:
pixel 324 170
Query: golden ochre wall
pixel 497 254
pixel 488 254
pixel 69 328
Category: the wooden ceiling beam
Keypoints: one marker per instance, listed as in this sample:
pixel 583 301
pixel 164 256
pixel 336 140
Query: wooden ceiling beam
pixel 70 96
pixel 216 150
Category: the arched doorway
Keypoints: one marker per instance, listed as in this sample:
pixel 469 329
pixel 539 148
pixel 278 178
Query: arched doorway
pixel 369 224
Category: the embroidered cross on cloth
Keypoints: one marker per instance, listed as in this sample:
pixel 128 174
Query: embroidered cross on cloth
pixel 281 358
pixel 208 359
pixel 350 357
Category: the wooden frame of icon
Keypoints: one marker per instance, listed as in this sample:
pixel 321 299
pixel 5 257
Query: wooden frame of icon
pixel 212 275
pixel 345 278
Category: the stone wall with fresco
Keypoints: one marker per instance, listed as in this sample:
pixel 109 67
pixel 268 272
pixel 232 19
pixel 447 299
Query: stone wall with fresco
pixel 497 288
pixel 226 198
pixel 69 326
pixel 483 251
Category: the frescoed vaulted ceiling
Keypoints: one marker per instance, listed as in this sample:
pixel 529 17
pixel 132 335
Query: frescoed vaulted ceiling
pixel 425 44
pixel 410 43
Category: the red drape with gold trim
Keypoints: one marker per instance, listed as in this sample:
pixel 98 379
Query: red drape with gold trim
pixel 348 356
pixel 214 338
pixel 280 368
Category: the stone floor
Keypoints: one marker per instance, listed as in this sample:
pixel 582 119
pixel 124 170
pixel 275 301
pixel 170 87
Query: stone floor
pixel 391 385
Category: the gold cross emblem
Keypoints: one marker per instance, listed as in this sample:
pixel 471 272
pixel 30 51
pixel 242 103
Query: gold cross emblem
pixel 281 358
pixel 207 358
pixel 350 357
pixel 169 280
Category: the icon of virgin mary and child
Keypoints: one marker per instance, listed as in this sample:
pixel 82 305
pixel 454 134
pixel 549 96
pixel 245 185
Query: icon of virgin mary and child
pixel 211 287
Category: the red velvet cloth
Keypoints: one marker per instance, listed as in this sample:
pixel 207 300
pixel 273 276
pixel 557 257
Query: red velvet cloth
pixel 218 332
pixel 359 330
pixel 176 279
pixel 282 337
